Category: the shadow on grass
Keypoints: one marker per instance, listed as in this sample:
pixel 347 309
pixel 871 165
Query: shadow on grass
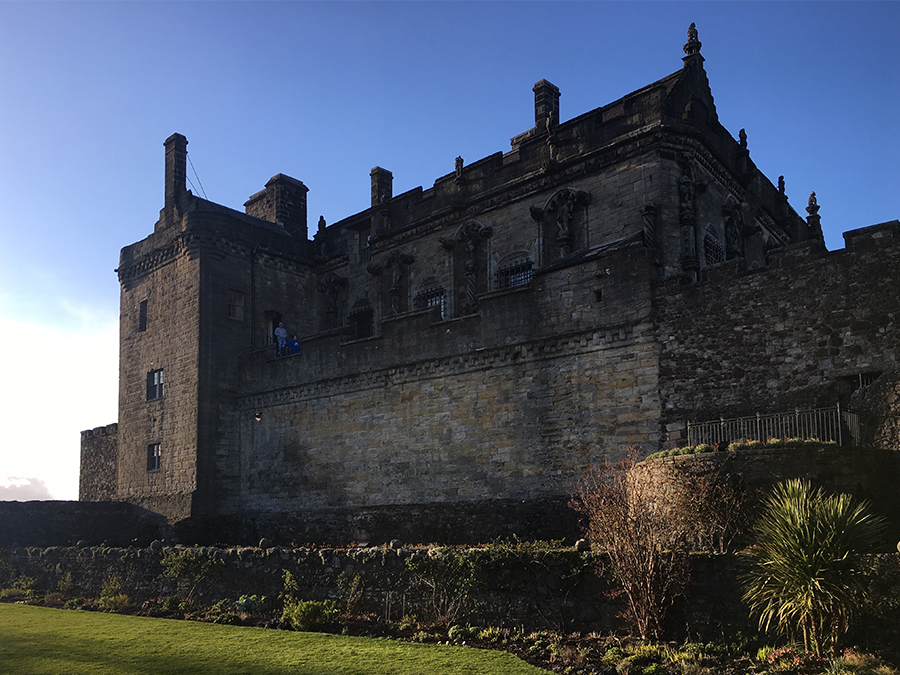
pixel 38 640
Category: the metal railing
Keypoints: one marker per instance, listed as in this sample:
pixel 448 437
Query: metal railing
pixel 825 424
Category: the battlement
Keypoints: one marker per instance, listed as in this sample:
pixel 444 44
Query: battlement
pixel 108 430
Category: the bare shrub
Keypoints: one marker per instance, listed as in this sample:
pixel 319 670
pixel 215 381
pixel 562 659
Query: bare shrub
pixel 646 542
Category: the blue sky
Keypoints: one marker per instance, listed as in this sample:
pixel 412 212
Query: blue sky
pixel 324 92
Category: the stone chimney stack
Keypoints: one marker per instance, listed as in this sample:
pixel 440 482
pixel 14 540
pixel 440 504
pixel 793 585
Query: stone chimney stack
pixel 382 186
pixel 546 105
pixel 176 169
pixel 283 202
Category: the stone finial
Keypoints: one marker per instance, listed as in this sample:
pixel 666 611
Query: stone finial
pixel 814 220
pixel 693 45
pixel 812 207
pixel 459 167
pixel 742 138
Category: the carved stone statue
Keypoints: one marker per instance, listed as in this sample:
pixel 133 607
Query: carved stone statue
pixel 397 261
pixel 814 220
pixel 562 208
pixel 742 138
pixel 331 285
pixel 459 167
pixel 734 229
pixel 693 44
pixel 321 223
pixel 812 207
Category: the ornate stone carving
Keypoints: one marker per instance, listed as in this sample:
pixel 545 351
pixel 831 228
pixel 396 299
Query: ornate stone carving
pixel 561 208
pixel 649 212
pixel 397 261
pixel 469 238
pixel 688 189
pixel 331 285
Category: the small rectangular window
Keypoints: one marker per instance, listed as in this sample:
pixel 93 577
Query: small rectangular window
pixel 142 317
pixel 154 384
pixel 236 306
pixel 153 457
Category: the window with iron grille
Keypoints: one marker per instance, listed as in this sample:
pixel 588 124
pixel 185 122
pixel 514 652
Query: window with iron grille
pixel 432 295
pixel 712 247
pixel 154 384
pixel 153 457
pixel 360 321
pixel 515 273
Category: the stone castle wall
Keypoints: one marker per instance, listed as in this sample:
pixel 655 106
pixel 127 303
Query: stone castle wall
pixel 97 476
pixel 495 405
pixel 794 334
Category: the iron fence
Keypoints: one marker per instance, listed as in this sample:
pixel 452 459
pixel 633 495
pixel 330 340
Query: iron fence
pixel 825 424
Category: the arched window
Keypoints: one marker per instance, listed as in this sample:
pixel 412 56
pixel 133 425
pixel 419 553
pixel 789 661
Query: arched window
pixel 712 247
pixel 431 294
pixel 514 270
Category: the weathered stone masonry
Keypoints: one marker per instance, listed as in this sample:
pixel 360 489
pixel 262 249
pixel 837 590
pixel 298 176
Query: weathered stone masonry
pixel 472 348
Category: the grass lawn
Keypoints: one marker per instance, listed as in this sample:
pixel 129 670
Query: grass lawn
pixel 43 641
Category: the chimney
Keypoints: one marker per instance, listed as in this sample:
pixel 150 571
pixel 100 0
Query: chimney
pixel 282 202
pixel 546 105
pixel 382 186
pixel 176 170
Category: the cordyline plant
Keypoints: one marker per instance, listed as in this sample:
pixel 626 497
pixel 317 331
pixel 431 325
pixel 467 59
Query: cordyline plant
pixel 806 575
pixel 646 541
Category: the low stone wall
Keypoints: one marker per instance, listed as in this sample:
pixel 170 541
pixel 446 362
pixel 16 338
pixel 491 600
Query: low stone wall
pixel 58 523
pixel 54 523
pixel 462 522
pixel 557 589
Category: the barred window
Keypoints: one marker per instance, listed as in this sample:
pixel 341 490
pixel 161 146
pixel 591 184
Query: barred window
pixel 360 321
pixel 516 272
pixel 154 384
pixel 712 247
pixel 431 295
pixel 153 456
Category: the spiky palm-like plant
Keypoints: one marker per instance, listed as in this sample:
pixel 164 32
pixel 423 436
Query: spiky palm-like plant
pixel 805 575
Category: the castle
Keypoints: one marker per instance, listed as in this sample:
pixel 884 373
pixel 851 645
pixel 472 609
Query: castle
pixel 469 350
